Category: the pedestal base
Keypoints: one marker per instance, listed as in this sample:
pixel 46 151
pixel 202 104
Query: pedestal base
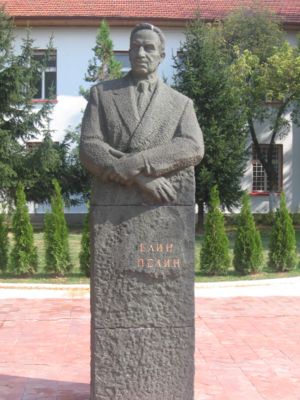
pixel 142 302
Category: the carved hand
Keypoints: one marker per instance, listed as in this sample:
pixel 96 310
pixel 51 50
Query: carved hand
pixel 160 189
pixel 125 168
pixel 118 172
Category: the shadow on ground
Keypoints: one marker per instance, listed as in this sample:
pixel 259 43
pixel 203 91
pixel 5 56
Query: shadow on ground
pixel 22 388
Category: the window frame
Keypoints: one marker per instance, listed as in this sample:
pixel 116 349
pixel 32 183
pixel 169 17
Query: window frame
pixel 124 70
pixel 255 161
pixel 43 98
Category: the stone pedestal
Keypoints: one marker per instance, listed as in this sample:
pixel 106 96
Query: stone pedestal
pixel 142 302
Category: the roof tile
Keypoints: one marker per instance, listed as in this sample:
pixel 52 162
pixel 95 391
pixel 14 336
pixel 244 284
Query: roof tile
pixel 289 10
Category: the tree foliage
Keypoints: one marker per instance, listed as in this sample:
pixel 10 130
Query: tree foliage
pixel 103 66
pixel 3 243
pixel 41 165
pixel 24 259
pixel 20 120
pixel 74 179
pixel 203 74
pixel 56 236
pixel 268 70
pixel 241 74
pixel 248 250
pixel 214 257
pixel 282 255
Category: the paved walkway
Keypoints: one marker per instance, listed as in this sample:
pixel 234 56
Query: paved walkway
pixel 247 343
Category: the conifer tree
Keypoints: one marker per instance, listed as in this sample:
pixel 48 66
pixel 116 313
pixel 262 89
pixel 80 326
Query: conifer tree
pixel 103 66
pixel 282 255
pixel 3 243
pixel 202 72
pixel 214 257
pixel 248 252
pixel 56 236
pixel 24 259
pixel 85 254
pixel 20 119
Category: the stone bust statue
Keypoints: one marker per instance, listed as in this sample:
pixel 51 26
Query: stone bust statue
pixel 140 138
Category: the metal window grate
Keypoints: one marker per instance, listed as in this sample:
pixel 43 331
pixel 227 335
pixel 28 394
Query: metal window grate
pixel 260 182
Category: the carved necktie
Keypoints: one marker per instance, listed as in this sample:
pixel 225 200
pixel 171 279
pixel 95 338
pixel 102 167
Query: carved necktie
pixel 143 97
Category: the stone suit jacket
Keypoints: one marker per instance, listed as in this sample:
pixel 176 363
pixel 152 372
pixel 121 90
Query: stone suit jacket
pixel 166 139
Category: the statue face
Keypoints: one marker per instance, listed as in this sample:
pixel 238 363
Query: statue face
pixel 145 53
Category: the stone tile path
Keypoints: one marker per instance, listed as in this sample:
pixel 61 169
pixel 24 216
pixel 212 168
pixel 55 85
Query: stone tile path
pixel 247 348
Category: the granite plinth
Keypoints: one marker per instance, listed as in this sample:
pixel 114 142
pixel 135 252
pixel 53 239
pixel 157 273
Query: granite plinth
pixel 143 364
pixel 142 302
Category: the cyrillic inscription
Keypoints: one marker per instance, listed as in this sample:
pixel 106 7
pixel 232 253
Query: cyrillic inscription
pixel 157 255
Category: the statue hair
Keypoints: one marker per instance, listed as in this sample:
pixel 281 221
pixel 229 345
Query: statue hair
pixel 150 27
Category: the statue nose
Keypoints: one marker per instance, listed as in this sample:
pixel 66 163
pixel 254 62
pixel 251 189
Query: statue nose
pixel 141 51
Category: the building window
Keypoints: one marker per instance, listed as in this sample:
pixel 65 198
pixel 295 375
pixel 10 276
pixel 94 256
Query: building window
pixel 123 58
pixel 32 145
pixel 179 57
pixel 260 182
pixel 46 84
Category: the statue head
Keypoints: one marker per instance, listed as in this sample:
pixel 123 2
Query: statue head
pixel 147 45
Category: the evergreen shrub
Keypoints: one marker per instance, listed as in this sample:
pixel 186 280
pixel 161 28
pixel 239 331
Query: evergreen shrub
pixel 3 243
pixel 282 254
pixel 56 236
pixel 248 250
pixel 85 254
pixel 214 257
pixel 23 258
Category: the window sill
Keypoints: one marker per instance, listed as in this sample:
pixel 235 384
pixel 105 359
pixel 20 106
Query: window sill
pixel 262 193
pixel 37 101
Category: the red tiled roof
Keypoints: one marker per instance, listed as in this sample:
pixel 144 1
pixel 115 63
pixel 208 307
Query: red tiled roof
pixel 167 10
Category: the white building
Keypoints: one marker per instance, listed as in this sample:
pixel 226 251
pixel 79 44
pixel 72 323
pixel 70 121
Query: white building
pixel 73 26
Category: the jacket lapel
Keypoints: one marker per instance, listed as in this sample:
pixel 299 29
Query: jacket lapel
pixel 124 99
pixel 160 106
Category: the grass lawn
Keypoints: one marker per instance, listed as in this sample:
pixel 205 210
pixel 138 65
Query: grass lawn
pixel 77 277
pixel 41 277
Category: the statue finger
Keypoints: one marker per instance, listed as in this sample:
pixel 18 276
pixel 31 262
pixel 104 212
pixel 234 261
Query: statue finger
pixel 169 193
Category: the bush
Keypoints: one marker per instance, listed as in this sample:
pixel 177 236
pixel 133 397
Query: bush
pixel 85 254
pixel 3 243
pixel 265 219
pixel 296 218
pixel 282 255
pixel 214 257
pixel 248 251
pixel 56 236
pixel 23 260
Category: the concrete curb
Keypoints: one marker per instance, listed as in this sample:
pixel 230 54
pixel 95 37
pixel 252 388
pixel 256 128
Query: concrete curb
pixel 258 282
pixel 257 288
pixel 41 286
pixel 198 285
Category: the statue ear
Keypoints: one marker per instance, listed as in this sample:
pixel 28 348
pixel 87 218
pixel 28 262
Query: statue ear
pixel 162 55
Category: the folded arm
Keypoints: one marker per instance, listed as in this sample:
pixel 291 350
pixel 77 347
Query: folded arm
pixel 184 150
pixel 146 168
pixel 95 154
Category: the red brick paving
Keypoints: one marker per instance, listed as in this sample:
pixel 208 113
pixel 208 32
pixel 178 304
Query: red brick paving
pixel 246 349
